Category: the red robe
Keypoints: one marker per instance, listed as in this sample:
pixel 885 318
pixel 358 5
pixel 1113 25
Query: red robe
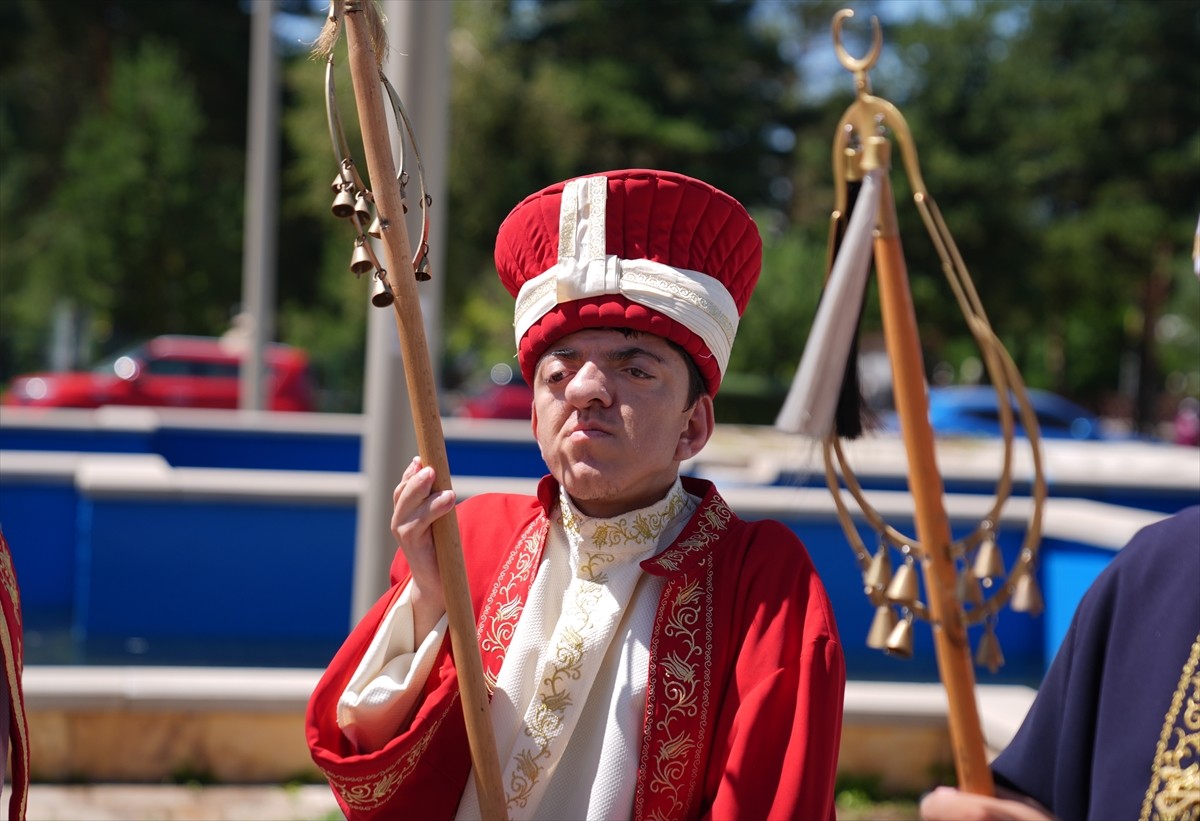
pixel 744 705
pixel 14 723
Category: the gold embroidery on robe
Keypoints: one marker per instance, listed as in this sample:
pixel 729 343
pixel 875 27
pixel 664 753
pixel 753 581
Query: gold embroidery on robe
pixel 679 698
pixel 497 620
pixel 565 661
pixel 1174 793
pixel 502 609
pixel 366 792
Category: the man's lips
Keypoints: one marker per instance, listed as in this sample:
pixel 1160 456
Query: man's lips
pixel 586 430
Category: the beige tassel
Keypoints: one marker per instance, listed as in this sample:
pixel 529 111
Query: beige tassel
pixel 811 402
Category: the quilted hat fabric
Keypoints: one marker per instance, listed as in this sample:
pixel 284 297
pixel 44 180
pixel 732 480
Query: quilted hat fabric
pixel 653 251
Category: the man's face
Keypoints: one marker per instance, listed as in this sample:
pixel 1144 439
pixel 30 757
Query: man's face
pixel 609 416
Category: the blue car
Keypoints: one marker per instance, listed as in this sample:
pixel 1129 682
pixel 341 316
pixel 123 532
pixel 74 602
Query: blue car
pixel 974 411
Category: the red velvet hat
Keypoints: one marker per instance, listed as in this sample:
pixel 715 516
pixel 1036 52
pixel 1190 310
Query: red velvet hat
pixel 654 251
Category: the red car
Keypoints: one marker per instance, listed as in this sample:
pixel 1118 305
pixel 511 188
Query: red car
pixel 504 395
pixel 171 371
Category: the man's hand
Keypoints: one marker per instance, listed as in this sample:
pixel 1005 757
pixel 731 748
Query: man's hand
pixel 949 804
pixel 413 514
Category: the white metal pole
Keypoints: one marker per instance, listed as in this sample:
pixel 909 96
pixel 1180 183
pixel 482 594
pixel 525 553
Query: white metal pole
pixel 254 327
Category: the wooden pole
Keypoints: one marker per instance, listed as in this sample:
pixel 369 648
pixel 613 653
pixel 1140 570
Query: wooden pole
pixel 925 485
pixel 422 389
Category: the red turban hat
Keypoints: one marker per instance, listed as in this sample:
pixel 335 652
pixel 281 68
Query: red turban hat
pixel 653 251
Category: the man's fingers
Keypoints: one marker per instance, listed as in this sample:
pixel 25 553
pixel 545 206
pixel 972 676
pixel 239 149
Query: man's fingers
pixel 416 507
pixel 409 472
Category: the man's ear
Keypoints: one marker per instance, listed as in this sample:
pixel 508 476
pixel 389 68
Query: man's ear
pixel 697 430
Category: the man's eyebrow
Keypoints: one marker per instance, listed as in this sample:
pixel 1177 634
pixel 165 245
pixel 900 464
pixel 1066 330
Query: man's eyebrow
pixel 562 353
pixel 632 352
pixel 623 354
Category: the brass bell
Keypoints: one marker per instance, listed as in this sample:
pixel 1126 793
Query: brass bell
pixel 879 571
pixel 900 640
pixel 343 203
pixel 967 589
pixel 1026 597
pixel 381 292
pixel 881 627
pixel 988 653
pixel 361 262
pixel 903 587
pixel 362 207
pixel 422 270
pixel 339 182
pixel 989 564
pixel 376 229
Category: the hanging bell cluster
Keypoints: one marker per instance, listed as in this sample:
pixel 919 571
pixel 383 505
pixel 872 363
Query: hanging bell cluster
pixel 890 632
pixel 985 570
pixel 896 594
pixel 352 203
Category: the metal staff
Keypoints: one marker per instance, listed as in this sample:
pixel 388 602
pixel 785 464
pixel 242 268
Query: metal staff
pixel 364 37
pixel 925 482
pixel 953 597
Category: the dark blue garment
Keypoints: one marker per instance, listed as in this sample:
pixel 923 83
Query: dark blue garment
pixel 1087 748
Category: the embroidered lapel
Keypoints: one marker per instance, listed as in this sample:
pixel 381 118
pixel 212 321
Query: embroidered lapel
pixel 502 608
pixel 679 700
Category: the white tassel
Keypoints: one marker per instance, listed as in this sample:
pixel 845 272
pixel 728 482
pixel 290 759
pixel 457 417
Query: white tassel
pixel 812 400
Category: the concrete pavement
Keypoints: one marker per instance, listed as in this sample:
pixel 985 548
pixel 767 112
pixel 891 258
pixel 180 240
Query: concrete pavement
pixel 142 802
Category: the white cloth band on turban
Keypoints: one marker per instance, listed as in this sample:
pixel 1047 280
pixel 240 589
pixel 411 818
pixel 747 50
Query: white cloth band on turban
pixel 695 300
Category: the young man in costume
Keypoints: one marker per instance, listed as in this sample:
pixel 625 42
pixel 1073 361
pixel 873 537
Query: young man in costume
pixel 648 653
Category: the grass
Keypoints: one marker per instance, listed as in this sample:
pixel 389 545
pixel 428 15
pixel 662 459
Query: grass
pixel 862 799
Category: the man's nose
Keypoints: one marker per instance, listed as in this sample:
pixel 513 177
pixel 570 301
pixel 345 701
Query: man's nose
pixel 589 384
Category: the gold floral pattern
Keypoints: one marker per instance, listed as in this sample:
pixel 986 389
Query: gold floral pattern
pixel 497 619
pixel 366 792
pixel 594 604
pixel 641 527
pixel 8 578
pixel 712 518
pixel 504 604
pixel 554 697
pixel 1174 793
pixel 679 700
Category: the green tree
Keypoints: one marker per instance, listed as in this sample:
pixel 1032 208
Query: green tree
pixel 110 237
pixel 123 161
pixel 547 90
pixel 1059 139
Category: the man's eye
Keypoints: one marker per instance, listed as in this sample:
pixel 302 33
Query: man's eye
pixel 638 373
pixel 555 376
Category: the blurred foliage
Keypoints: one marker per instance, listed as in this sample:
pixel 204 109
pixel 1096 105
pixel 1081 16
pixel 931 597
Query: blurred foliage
pixel 1058 138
